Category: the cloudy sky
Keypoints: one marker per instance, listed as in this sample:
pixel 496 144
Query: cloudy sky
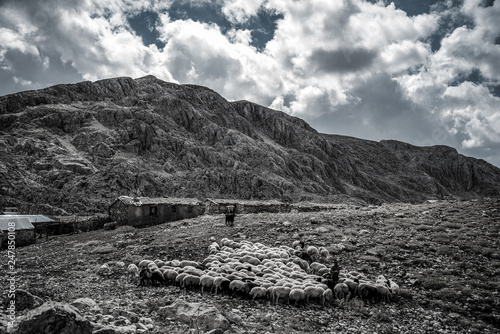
pixel 425 72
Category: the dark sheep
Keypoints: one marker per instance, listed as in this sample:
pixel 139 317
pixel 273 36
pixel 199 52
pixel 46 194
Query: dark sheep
pixel 148 276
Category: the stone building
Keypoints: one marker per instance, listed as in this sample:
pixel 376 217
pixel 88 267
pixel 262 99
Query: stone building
pixel 143 211
pixel 221 206
pixel 24 231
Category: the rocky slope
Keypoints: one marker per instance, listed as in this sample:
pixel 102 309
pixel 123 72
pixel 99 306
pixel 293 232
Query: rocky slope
pixel 444 255
pixel 75 148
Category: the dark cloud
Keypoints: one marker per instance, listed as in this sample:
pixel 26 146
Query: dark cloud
pixel 345 60
pixel 31 68
pixel 383 112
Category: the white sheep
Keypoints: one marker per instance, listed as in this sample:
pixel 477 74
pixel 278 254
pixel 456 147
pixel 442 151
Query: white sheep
pixel 327 297
pixel 280 292
pixel 297 294
pixel 342 292
pixel 206 281
pixel 324 253
pixel 170 275
pixel 258 292
pixel 133 272
pixel 394 287
pixel 314 292
pixel 144 263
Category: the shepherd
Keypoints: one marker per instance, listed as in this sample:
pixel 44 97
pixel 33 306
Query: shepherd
pixel 230 214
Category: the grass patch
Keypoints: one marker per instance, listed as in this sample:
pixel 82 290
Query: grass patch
pixel 433 283
pixel 447 294
pixel 103 249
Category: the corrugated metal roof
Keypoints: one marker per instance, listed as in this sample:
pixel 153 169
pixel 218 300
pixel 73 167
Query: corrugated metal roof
pixel 21 223
pixel 31 218
pixel 138 201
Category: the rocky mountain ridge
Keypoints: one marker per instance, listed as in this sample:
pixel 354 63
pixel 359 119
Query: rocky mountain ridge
pixel 75 148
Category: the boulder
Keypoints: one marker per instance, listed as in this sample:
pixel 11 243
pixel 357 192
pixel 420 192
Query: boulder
pixel 84 304
pixel 205 318
pixel 25 301
pixel 54 318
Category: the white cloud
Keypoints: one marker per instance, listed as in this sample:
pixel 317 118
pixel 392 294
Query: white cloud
pixel 239 11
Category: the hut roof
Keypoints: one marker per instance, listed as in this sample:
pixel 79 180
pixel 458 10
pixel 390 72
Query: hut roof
pixel 21 223
pixel 244 202
pixel 138 201
pixel 30 218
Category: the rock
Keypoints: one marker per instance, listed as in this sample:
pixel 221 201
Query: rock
pixel 84 304
pixel 372 251
pixel 109 226
pixel 321 229
pixel 104 270
pixel 110 329
pixel 24 301
pixel 205 318
pixel 287 223
pixel 54 318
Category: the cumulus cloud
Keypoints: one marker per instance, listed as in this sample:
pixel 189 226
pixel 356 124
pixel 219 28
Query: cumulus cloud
pixel 354 67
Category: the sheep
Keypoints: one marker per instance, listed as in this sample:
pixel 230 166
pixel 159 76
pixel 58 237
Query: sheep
pixel 151 276
pixel 193 271
pixel 384 293
pixel 180 278
pixel 169 276
pixel 221 283
pixel 133 271
pixel 393 287
pixel 314 292
pixel 238 286
pixel 258 292
pixel 324 253
pixel 323 271
pixel 327 297
pixel 186 263
pixel 368 292
pixel 280 291
pixel 190 280
pixel 342 292
pixel 304 265
pixel 353 286
pixel 159 262
pixel 144 263
pixel 206 281
pixel 312 252
pixel 297 295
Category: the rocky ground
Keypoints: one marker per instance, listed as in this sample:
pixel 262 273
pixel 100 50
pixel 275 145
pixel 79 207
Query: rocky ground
pixel 444 255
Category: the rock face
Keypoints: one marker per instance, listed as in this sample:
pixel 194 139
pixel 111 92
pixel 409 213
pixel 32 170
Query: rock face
pixel 54 318
pixel 204 318
pixel 76 148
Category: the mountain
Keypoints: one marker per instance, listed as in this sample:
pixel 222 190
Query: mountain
pixel 76 147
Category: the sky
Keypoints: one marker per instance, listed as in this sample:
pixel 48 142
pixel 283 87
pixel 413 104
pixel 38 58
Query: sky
pixel 426 72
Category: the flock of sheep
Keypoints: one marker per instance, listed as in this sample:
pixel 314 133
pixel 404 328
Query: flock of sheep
pixel 294 274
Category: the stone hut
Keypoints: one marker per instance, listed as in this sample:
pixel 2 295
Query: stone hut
pixel 143 211
pixel 221 206
pixel 24 231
